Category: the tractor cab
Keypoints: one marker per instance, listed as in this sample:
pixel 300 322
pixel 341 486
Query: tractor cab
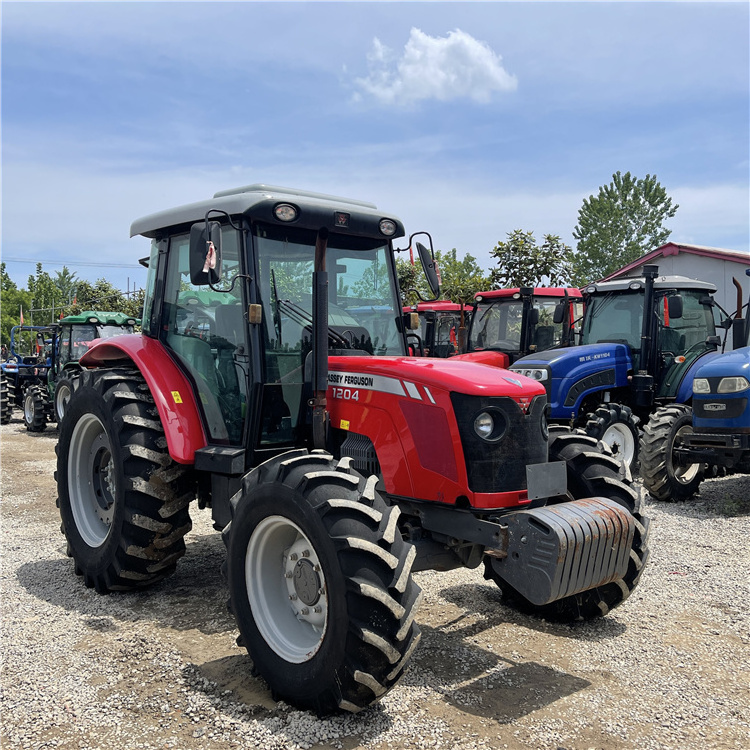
pixel 437 332
pixel 524 320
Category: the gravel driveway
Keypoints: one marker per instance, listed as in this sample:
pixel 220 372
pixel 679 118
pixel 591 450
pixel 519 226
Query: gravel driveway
pixel 160 669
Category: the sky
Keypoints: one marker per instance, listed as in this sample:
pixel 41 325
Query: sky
pixel 467 120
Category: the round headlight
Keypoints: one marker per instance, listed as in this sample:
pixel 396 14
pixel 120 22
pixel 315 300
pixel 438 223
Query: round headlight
pixel 388 227
pixel 484 425
pixel 285 212
pixel 490 425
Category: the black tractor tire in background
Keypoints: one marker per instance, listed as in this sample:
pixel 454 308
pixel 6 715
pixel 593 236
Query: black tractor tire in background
pixel 320 582
pixel 66 383
pixel 590 473
pixel 35 408
pixel 122 499
pixel 616 426
pixel 662 477
pixel 6 408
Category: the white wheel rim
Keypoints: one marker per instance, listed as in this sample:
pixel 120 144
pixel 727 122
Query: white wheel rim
pixel 62 396
pixel 685 474
pixel 91 481
pixel 286 589
pixel 620 439
pixel 28 408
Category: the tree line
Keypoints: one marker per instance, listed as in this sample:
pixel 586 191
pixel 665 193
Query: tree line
pixel 622 222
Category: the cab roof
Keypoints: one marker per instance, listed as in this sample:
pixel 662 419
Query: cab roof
pixel 258 200
pixel 539 291
pixel 660 282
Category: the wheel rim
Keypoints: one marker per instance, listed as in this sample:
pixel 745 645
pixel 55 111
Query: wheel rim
pixel 286 589
pixel 62 396
pixel 28 408
pixel 91 481
pixel 621 441
pixel 685 474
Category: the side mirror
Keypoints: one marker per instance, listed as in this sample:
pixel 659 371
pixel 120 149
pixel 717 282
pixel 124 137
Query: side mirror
pixel 411 321
pixel 430 269
pixel 558 315
pixel 205 253
pixel 674 306
pixel 534 316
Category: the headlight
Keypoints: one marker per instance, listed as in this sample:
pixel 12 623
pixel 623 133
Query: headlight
pixel 483 425
pixel 700 385
pixel 285 212
pixel 490 425
pixel 387 227
pixel 732 385
pixel 534 374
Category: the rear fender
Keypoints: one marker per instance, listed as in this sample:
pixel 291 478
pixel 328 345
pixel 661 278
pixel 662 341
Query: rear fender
pixel 170 388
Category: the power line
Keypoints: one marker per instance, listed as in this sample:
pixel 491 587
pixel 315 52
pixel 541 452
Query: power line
pixel 73 263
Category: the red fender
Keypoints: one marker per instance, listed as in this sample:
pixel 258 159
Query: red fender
pixel 171 390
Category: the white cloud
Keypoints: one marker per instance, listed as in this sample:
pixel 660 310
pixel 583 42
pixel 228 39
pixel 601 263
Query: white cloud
pixel 443 68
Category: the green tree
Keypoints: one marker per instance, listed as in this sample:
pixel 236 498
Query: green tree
pixel 101 295
pixel 12 300
pixel 460 281
pixel 47 298
pixel 410 277
pixel 521 262
pixel 624 221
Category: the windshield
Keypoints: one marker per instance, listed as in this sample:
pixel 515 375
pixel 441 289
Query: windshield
pixel 497 325
pixel 615 317
pixel 363 310
pixel 362 303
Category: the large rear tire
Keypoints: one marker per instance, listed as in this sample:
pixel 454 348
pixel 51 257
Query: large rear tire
pixel 35 408
pixel 663 478
pixel 123 501
pixel 320 582
pixel 6 409
pixel 590 473
pixel 616 426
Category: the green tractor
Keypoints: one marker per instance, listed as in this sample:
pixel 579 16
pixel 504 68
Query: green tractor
pixel 71 338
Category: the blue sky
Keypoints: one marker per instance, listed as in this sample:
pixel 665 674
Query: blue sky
pixel 468 120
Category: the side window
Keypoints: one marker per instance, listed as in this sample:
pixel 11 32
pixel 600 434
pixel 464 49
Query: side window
pixel 148 300
pixel 207 331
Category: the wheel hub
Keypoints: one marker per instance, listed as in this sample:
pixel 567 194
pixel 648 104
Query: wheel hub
pixel 306 582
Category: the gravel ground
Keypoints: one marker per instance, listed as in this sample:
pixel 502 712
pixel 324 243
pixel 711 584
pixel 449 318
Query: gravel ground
pixel 160 669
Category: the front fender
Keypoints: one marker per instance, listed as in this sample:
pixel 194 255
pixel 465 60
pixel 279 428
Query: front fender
pixel 170 388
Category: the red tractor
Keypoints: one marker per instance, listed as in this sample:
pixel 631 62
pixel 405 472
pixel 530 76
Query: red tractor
pixel 334 465
pixel 439 322
pixel 508 324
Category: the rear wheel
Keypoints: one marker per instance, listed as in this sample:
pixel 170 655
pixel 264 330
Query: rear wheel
pixel 590 473
pixel 616 426
pixel 662 476
pixel 35 408
pixel 320 582
pixel 123 501
pixel 64 388
pixel 6 409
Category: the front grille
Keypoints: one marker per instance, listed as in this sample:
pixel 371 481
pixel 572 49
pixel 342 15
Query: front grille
pixel 501 466
pixel 732 408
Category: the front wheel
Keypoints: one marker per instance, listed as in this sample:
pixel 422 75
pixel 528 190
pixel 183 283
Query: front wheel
pixel 591 472
pixel 616 426
pixel 664 478
pixel 320 582
pixel 35 408
pixel 123 501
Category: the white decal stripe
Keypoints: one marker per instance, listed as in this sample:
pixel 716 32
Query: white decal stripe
pixel 366 382
pixel 429 395
pixel 412 390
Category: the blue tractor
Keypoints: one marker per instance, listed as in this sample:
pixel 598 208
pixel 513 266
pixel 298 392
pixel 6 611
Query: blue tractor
pixel 22 371
pixel 681 448
pixel 641 342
